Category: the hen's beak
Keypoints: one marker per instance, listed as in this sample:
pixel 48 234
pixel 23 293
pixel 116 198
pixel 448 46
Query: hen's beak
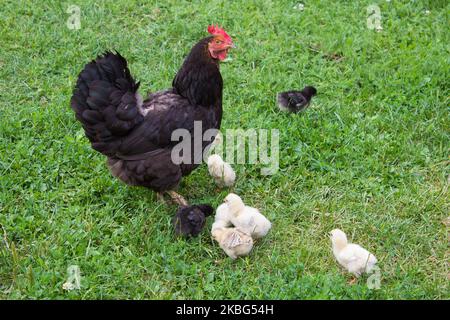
pixel 231 45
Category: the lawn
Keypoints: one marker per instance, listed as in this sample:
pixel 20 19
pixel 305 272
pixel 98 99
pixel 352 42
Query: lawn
pixel 370 156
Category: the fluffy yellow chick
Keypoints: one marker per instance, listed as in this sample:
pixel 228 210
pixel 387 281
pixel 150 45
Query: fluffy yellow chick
pixel 233 241
pixel 354 258
pixel 222 218
pixel 222 213
pixel 221 171
pixel 248 219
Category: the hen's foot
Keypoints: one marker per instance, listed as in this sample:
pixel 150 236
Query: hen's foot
pixel 177 198
pixel 353 281
pixel 160 197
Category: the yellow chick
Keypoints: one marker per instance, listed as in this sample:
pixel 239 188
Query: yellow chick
pixel 233 241
pixel 248 219
pixel 221 171
pixel 354 258
pixel 222 218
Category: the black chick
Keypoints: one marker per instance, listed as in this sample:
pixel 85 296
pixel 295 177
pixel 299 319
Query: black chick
pixel 296 101
pixel 190 220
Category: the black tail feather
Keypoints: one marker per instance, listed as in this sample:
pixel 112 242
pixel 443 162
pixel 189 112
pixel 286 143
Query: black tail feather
pixel 104 101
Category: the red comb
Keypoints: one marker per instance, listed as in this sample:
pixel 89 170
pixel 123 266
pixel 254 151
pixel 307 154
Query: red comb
pixel 216 30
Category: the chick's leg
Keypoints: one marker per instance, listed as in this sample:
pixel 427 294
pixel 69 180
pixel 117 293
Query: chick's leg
pixel 177 198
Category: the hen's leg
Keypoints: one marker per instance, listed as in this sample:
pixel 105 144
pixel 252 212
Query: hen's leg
pixel 353 280
pixel 177 198
pixel 160 197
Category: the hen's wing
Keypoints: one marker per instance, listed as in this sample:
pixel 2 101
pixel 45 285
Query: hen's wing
pixel 163 115
pixel 144 156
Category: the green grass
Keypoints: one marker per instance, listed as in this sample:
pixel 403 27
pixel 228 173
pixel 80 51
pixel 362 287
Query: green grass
pixel 370 156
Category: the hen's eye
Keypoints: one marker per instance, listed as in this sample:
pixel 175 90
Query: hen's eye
pixel 218 42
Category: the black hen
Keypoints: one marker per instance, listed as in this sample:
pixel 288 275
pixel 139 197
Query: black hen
pixel 190 220
pixel 135 135
pixel 296 101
